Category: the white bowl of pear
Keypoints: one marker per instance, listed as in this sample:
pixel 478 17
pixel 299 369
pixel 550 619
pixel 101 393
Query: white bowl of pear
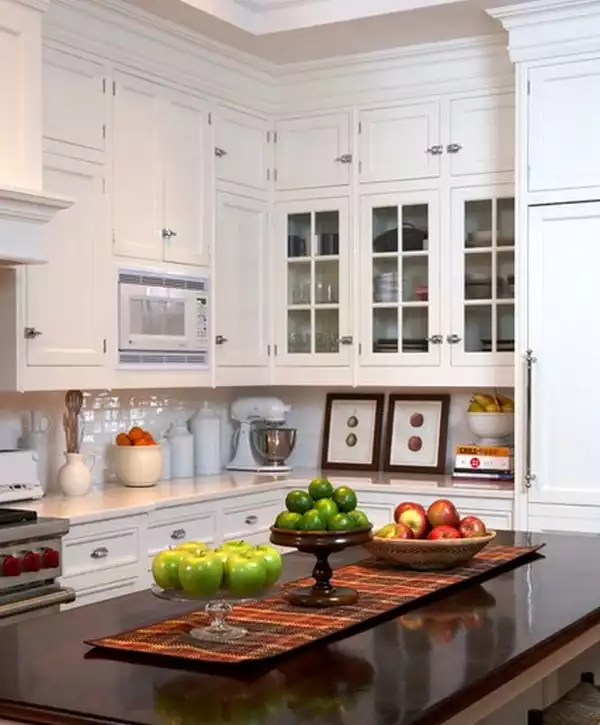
pixel 491 418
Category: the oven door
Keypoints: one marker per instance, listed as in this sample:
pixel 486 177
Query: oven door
pixel 37 606
pixel 153 318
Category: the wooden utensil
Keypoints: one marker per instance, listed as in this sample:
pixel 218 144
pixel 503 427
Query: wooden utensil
pixel 74 403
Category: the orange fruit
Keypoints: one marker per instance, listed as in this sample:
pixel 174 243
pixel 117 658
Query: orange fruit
pixel 123 440
pixel 148 437
pixel 136 434
pixel 144 442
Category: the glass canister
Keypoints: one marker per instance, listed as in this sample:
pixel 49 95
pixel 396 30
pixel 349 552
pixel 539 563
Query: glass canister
pixel 206 427
pixel 181 442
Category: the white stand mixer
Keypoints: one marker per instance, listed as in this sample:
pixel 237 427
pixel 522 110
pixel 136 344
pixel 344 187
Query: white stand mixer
pixel 271 413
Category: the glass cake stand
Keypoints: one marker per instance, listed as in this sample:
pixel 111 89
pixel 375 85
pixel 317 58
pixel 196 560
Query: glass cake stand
pixel 217 608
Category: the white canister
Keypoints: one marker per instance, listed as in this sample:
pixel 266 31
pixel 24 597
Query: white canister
pixel 75 476
pixel 182 450
pixel 35 438
pixel 166 449
pixel 206 427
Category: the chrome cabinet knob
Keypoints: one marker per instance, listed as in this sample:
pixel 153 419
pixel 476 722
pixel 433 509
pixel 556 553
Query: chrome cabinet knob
pixel 220 152
pixel 32 332
pixel 220 340
pixel 250 520
pixel 436 150
pixel 453 148
pixel 346 340
pixel 178 534
pixel 168 233
pixel 453 339
pixel 100 553
pixel 344 159
pixel 436 339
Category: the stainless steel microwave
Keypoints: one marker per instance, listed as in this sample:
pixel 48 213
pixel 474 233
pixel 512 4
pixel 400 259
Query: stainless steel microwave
pixel 163 320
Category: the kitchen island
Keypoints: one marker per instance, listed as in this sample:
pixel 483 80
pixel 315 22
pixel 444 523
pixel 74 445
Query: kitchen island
pixel 454 660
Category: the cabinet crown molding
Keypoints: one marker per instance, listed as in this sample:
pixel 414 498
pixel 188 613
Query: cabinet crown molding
pixel 550 28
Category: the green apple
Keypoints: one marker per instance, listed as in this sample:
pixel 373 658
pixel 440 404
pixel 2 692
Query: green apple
pixel 165 568
pixel 201 574
pixel 236 546
pixel 192 546
pixel 273 561
pixel 246 573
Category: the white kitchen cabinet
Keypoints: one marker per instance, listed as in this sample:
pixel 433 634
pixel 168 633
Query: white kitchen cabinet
pixel 173 525
pixel 75 103
pixel 241 287
pixel 563 295
pixel 400 143
pixel 313 151
pixel 251 516
pixel 67 298
pixel 183 153
pixel 399 279
pixel 482 276
pixel 159 177
pixel 312 283
pixel 563 105
pixel 481 135
pixel 241 150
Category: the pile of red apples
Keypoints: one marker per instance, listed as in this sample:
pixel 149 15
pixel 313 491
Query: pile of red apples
pixel 440 521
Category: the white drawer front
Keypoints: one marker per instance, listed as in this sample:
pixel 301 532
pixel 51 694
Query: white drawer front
pixel 242 521
pixel 197 527
pixel 98 547
pixel 100 592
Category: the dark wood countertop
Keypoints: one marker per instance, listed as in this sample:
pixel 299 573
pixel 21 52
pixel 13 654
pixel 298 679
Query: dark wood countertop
pixel 404 671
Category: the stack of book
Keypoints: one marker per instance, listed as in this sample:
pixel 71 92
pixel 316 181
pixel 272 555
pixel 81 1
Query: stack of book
pixel 492 463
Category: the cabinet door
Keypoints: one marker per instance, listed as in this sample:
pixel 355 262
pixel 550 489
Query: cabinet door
pixel 241 284
pixel 137 173
pixel 74 102
pixel 481 137
pixel 241 149
pixel 400 143
pixel 400 279
pixel 183 152
pixel 312 277
pixel 563 296
pixel 313 152
pixel 67 298
pixel 564 105
pixel 483 276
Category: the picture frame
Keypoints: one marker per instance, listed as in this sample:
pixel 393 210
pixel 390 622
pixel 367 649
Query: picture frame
pixel 416 434
pixel 352 431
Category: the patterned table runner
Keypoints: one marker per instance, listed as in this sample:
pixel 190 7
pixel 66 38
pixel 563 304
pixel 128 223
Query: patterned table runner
pixel 275 627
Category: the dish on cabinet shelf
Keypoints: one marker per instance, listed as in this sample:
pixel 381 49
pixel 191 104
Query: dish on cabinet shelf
pixel 483 238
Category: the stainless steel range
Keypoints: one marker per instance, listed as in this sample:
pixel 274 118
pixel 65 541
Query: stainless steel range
pixel 30 565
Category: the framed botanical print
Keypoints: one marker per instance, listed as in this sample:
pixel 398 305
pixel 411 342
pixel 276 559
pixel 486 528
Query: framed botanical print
pixel 416 433
pixel 352 431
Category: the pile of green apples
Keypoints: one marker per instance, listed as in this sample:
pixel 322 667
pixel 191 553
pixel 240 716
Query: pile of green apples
pixel 235 567
pixel 321 508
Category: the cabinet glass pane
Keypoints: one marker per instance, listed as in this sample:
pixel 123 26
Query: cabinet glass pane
pixel 505 326
pixel 299 331
pixel 327 338
pixel 385 229
pixel 478 223
pixel 505 223
pixel 415 228
pixel 478 328
pixel 385 279
pixel 299 283
pixel 327 282
pixel 505 275
pixel 385 329
pixel 478 276
pixel 415 279
pixel 327 230
pixel 299 234
pixel 415 323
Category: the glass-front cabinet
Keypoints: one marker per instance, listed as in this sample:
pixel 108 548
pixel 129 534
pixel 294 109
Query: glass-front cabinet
pixel 483 276
pixel 312 277
pixel 400 279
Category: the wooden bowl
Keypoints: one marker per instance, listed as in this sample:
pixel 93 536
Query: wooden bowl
pixel 427 554
pixel 321 544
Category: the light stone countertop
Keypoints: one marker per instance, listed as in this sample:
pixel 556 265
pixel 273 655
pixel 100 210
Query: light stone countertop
pixel 114 500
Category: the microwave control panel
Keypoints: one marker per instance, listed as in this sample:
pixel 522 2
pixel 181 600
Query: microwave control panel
pixel 202 320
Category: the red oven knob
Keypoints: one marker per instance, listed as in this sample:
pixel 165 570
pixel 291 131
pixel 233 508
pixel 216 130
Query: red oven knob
pixel 11 566
pixel 31 561
pixel 50 558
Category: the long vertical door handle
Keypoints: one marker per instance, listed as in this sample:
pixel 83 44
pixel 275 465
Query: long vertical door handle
pixel 529 361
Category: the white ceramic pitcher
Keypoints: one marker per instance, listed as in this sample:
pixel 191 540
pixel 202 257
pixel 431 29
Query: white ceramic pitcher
pixel 75 476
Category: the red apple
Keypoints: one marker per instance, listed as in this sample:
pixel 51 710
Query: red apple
pixel 444 532
pixel 471 527
pixel 416 521
pixel 394 531
pixel 407 506
pixel 443 513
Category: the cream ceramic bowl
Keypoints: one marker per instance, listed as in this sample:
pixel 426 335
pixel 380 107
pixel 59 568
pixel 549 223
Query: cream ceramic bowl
pixel 491 427
pixel 138 466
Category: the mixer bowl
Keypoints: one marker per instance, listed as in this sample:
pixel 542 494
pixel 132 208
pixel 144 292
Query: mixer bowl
pixel 273 445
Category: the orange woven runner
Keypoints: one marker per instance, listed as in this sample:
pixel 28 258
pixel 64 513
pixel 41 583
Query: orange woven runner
pixel 275 627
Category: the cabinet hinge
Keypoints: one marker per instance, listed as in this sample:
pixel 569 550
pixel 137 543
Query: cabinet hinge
pixel 268 137
pixel 360 348
pixel 210 118
pixel 275 175
pixel 360 127
pixel 275 350
pixel 268 351
pixel 104 346
pixel 104 85
pixel 275 137
pixel 104 131
pixel 114 84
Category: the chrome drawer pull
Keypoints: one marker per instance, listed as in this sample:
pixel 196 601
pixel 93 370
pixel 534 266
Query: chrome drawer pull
pixel 100 553
pixel 251 520
pixel 178 534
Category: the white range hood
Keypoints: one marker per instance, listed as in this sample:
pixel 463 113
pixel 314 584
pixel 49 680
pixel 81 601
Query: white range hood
pixel 24 207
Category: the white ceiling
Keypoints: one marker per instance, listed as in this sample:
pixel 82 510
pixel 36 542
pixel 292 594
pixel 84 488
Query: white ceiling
pixel 435 22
